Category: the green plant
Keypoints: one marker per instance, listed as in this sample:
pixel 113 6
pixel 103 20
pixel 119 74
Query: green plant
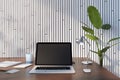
pixel 95 19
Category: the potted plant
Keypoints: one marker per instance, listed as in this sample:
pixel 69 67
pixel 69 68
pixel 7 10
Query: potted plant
pixel 95 19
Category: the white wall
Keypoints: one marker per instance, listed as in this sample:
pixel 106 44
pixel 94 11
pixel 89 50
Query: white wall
pixel 25 22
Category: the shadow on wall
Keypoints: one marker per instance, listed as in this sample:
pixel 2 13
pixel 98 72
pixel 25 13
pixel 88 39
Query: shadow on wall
pixel 77 9
pixel 9 48
pixel 114 62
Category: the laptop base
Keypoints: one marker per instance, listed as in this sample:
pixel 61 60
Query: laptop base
pixel 70 71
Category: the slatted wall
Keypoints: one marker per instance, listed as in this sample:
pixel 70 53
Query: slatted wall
pixel 25 22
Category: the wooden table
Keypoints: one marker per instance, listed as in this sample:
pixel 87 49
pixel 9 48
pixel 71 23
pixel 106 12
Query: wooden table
pixel 98 73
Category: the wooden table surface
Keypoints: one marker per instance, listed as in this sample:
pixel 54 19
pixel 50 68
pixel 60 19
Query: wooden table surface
pixel 98 73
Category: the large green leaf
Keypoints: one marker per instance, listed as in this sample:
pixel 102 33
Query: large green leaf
pixel 106 26
pixel 113 39
pixel 94 17
pixel 104 49
pixel 89 30
pixel 92 37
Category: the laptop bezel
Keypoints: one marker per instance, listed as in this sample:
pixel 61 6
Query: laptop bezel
pixel 53 43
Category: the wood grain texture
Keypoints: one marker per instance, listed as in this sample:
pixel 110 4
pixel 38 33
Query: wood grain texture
pixel 98 73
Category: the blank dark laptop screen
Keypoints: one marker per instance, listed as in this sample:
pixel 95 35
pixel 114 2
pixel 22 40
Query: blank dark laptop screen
pixel 53 53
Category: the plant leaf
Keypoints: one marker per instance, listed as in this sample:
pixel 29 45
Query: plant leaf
pixel 89 30
pixel 94 51
pixel 94 17
pixel 106 26
pixel 104 49
pixel 113 39
pixel 115 44
pixel 92 37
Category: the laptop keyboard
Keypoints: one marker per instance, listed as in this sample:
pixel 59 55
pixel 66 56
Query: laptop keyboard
pixel 53 68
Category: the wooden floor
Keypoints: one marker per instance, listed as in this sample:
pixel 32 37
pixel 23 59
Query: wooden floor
pixel 98 73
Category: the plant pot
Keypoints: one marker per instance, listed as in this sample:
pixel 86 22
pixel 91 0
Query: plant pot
pixel 101 61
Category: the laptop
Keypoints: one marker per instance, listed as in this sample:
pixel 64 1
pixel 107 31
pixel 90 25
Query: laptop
pixel 53 57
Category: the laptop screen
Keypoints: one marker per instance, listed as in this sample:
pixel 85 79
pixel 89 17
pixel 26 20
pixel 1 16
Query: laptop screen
pixel 53 53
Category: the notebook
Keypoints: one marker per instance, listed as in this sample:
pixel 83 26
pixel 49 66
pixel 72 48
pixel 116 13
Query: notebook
pixel 8 63
pixel 23 65
pixel 53 57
